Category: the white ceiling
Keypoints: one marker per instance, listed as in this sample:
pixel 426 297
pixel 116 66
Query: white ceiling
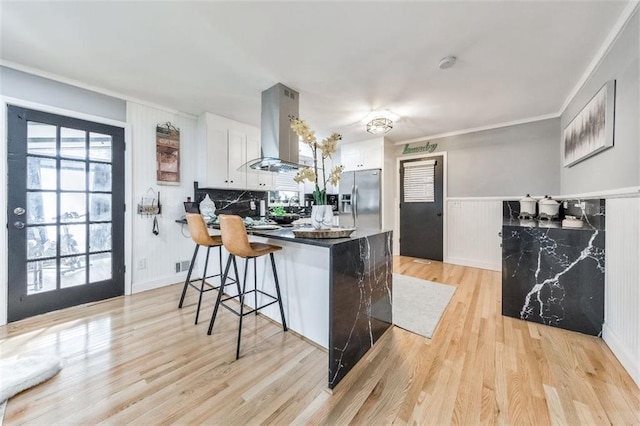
pixel 516 59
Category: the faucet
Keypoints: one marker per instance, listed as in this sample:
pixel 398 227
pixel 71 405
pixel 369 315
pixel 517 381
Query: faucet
pixel 294 201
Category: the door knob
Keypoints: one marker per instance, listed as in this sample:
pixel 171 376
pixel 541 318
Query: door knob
pixel 18 225
pixel 19 211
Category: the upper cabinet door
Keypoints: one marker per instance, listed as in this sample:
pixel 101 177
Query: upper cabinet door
pixel 217 157
pixel 371 156
pixel 362 155
pixel 256 179
pixel 237 146
pixel 350 156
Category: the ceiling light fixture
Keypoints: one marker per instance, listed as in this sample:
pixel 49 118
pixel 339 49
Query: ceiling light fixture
pixel 379 125
pixel 447 62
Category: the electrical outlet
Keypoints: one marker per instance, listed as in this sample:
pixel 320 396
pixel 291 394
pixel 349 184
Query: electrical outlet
pixel 142 263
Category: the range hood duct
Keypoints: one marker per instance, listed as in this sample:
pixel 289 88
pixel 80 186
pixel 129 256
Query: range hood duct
pixel 279 144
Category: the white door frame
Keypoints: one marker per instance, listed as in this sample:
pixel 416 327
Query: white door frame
pixel 396 225
pixel 4 243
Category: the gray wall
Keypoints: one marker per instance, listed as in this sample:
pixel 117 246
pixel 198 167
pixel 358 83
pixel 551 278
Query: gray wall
pixel 509 161
pixel 29 87
pixel 617 167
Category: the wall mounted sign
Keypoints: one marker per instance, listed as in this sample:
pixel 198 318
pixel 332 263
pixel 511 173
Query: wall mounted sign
pixel 167 154
pixel 591 130
pixel 429 147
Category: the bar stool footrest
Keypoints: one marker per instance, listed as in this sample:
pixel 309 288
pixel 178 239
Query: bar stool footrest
pixel 275 300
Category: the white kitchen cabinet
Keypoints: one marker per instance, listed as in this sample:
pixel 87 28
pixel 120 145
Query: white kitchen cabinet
pixel 257 179
pixel 362 155
pixel 229 145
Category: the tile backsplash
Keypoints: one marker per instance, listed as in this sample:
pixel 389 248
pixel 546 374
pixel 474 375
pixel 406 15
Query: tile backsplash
pixel 232 201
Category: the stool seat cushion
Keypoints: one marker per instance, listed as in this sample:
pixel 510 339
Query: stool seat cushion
pixel 199 231
pixel 260 249
pixel 236 241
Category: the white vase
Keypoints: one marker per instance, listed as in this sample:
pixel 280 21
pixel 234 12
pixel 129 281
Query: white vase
pixel 207 207
pixel 321 217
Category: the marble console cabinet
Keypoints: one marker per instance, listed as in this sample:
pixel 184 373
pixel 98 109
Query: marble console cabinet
pixel 554 275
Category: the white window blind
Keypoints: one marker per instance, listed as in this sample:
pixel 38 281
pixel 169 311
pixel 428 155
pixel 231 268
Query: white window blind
pixel 419 181
pixel 285 182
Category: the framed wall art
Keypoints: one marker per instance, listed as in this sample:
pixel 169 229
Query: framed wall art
pixel 591 130
pixel 167 154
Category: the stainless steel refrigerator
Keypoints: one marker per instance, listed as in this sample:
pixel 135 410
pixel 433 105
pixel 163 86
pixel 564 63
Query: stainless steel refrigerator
pixel 360 199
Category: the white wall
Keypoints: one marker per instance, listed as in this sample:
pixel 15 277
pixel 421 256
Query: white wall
pixel 510 160
pixel 159 253
pixel 621 328
pixel 32 88
pixel 473 232
pixel 617 167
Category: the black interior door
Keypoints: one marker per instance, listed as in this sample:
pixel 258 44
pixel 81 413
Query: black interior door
pixel 421 223
pixel 65 212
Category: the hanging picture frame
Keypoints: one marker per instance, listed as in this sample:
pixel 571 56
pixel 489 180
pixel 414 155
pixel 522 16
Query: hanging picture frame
pixel 592 129
pixel 167 154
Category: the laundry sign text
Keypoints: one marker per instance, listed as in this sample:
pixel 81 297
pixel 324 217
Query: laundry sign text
pixel 429 147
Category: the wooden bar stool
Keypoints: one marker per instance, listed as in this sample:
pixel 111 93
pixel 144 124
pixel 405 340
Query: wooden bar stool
pixel 200 235
pixel 236 242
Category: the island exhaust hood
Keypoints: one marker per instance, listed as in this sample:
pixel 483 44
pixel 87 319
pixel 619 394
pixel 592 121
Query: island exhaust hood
pixel 279 143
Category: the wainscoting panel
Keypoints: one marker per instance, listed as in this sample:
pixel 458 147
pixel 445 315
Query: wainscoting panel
pixel 621 328
pixel 154 256
pixel 473 227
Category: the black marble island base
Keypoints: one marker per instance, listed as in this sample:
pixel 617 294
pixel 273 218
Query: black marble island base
pixel 336 292
pixel 360 303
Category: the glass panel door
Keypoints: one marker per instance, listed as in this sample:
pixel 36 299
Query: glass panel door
pixel 66 234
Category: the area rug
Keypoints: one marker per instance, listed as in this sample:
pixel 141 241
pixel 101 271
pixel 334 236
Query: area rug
pixel 418 304
pixel 19 374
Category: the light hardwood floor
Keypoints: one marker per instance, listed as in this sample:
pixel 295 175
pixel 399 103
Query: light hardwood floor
pixel 140 360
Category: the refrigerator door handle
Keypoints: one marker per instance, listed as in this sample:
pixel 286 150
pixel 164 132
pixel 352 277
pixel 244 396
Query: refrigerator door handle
pixel 353 204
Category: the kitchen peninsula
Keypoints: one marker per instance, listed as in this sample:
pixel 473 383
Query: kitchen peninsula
pixel 336 292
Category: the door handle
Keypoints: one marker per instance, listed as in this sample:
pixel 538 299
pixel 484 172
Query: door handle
pixel 18 225
pixel 355 206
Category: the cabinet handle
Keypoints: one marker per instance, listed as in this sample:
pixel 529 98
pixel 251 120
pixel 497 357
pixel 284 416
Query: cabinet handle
pixel 231 181
pixel 226 181
pixel 499 234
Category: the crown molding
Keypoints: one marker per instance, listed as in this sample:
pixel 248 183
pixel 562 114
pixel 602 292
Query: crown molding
pixel 479 129
pixel 100 90
pixel 613 35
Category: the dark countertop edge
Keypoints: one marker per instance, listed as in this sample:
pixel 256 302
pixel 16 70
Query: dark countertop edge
pixel 320 242
pixel 545 224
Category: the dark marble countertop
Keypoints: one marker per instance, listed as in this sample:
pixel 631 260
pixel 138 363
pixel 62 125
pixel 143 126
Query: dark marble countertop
pixel 552 224
pixel 286 234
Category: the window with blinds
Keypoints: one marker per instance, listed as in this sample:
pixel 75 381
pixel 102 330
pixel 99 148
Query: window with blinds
pixel 419 181
pixel 285 182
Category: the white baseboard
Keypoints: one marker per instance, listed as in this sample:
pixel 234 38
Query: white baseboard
pixel 626 359
pixel 474 263
pixel 158 282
